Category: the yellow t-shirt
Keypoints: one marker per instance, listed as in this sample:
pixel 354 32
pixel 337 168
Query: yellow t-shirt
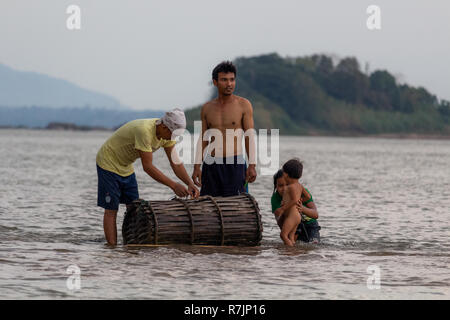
pixel 119 152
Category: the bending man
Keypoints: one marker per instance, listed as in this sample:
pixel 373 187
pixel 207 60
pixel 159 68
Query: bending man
pixel 138 139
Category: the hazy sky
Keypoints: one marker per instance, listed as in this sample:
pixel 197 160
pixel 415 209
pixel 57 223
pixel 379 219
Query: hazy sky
pixel 160 54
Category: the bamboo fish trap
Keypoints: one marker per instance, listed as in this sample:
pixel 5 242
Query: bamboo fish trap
pixel 205 221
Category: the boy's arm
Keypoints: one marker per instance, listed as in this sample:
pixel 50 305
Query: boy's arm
pixel 305 196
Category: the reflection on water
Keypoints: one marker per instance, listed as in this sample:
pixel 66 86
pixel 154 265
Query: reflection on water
pixel 382 202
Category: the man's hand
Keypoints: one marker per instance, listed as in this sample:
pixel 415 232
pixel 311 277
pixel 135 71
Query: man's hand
pixel 250 175
pixel 193 191
pixel 180 190
pixel 197 176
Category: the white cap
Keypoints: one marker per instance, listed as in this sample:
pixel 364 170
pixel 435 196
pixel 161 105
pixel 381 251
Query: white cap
pixel 174 120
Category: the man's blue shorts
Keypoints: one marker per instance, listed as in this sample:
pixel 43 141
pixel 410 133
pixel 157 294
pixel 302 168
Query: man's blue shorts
pixel 114 189
pixel 223 177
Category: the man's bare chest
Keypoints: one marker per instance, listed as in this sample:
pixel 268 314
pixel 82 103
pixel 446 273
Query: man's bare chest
pixel 229 117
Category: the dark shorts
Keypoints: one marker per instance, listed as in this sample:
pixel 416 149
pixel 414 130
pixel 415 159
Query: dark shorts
pixel 222 179
pixel 114 189
pixel 308 232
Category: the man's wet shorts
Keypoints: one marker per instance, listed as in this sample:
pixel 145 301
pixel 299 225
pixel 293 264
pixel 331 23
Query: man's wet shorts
pixel 114 189
pixel 223 177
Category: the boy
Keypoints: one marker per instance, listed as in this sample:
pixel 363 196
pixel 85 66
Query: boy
pixel 292 171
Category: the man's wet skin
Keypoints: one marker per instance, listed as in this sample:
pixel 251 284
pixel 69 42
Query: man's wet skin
pixel 228 119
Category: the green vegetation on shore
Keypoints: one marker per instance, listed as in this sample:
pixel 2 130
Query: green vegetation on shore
pixel 313 95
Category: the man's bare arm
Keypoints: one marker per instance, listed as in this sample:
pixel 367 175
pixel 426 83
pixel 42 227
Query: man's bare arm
pixel 177 166
pixel 250 145
pixel 201 145
pixel 155 173
pixel 180 171
pixel 152 171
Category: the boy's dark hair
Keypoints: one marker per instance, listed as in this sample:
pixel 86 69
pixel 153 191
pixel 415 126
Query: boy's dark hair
pixel 224 66
pixel 277 176
pixel 293 168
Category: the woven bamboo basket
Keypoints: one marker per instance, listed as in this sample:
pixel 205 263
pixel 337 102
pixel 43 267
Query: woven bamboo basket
pixel 205 221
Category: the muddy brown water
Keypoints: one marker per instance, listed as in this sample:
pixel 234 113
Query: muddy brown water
pixel 384 205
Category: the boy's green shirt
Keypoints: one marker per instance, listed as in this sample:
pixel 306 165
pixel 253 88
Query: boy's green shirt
pixel 276 203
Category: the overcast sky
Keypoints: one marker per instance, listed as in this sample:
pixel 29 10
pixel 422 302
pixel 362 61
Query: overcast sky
pixel 160 54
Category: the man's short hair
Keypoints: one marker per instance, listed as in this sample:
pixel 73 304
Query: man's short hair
pixel 224 66
pixel 293 168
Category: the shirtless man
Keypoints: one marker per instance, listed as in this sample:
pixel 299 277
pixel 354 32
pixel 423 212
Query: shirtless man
pixel 227 119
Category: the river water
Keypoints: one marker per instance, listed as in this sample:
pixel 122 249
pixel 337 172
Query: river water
pixel 384 207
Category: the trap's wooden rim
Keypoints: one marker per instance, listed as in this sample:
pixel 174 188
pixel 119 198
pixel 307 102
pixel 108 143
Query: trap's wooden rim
pixel 206 221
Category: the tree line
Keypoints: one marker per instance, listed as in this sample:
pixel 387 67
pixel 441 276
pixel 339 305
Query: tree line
pixel 319 94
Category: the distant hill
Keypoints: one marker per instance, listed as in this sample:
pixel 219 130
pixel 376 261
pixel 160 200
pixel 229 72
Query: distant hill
pixel 40 117
pixel 22 89
pixel 314 95
pixel 30 99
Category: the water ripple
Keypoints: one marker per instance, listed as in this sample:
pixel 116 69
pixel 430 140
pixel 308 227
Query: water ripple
pixel 381 203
